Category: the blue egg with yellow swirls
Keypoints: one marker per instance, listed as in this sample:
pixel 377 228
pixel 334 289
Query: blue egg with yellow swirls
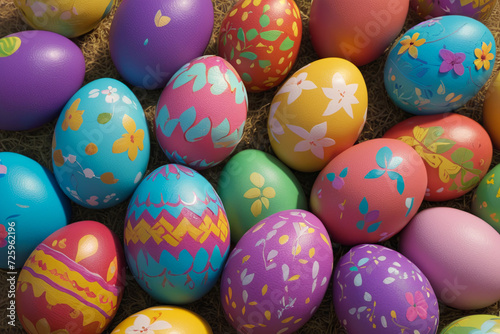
pixel 27 189
pixel 176 235
pixel 439 64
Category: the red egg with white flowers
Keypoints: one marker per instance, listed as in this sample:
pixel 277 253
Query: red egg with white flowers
pixel 457 152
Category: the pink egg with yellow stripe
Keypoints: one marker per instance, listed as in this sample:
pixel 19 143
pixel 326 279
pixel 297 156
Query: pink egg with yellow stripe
pixel 72 282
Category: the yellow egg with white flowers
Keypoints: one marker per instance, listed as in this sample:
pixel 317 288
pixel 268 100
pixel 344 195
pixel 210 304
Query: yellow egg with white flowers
pixel 67 18
pixel 164 320
pixel 318 113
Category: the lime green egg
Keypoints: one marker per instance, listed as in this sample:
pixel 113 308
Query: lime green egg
pixel 486 200
pixel 254 185
pixel 472 324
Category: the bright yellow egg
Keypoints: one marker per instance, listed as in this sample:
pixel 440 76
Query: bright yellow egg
pixel 68 18
pixel 164 320
pixel 318 113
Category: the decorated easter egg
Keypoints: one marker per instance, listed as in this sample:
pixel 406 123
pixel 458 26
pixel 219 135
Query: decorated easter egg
pixel 461 266
pixel 491 111
pixel 40 71
pixel 357 31
pixel 176 235
pixel 68 18
pixel 378 290
pixel 254 185
pixel 317 113
pixel 479 10
pixel 148 39
pixel 73 281
pixel 277 274
pixel 261 39
pixel 100 148
pixel 27 189
pixel 456 150
pixel 164 320
pixel 476 323
pixel 486 199
pixel 439 64
pixel 193 125
pixel 370 191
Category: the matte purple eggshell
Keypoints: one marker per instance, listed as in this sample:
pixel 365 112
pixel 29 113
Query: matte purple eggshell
pixel 150 40
pixel 458 252
pixel 39 71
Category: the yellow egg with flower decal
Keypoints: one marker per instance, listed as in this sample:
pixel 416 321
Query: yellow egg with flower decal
pixel 318 113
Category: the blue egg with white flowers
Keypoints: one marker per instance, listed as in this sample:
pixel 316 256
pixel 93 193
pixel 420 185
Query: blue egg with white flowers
pixel 439 64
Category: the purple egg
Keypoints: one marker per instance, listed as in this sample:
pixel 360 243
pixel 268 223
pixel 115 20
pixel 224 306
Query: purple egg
pixel 150 40
pixel 378 290
pixel 278 273
pixel 40 71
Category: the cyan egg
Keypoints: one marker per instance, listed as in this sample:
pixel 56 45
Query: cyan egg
pixel 100 149
pixel 439 64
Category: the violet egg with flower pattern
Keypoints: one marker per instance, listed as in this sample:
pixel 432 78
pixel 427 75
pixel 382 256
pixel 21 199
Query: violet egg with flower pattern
pixel 277 274
pixel 369 192
pixel 100 148
pixel 378 290
pixel 479 10
pixel 201 113
pixel 439 64
pixel 176 235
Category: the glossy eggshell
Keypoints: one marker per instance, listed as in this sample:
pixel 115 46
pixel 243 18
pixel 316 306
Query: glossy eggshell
pixel 460 266
pixel 261 39
pixel 254 185
pixel 27 189
pixel 370 191
pixel 486 199
pixel 278 273
pixel 148 39
pixel 439 64
pixel 100 149
pixel 68 18
pixel 176 235
pixel 73 281
pixel 491 111
pixel 164 320
pixel 428 9
pixel 317 113
pixel 201 113
pixel 378 290
pixel 357 31
pixel 473 323
pixel 456 150
pixel 40 71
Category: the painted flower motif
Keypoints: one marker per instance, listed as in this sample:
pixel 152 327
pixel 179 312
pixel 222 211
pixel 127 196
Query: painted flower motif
pixel 295 85
pixel 341 95
pixel 3 170
pixel 73 193
pixel 3 236
pixel 109 197
pixel 38 8
pixel 418 306
pixel 262 195
pixel 485 328
pixel 132 141
pixel 42 327
pixel 111 96
pixel 314 141
pixel 483 57
pixel 143 325
pixel 73 117
pixel 93 201
pixel 89 173
pixel 452 61
pixel 274 124
pixel 411 45
pixel 71 158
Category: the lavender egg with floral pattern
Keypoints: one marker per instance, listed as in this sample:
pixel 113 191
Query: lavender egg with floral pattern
pixel 479 10
pixel 100 148
pixel 378 290
pixel 439 64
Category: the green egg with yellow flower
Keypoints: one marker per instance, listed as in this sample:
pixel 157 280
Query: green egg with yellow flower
pixel 474 324
pixel 486 199
pixel 254 185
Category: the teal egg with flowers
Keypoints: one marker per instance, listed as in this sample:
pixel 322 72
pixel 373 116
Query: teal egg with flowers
pixel 439 64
